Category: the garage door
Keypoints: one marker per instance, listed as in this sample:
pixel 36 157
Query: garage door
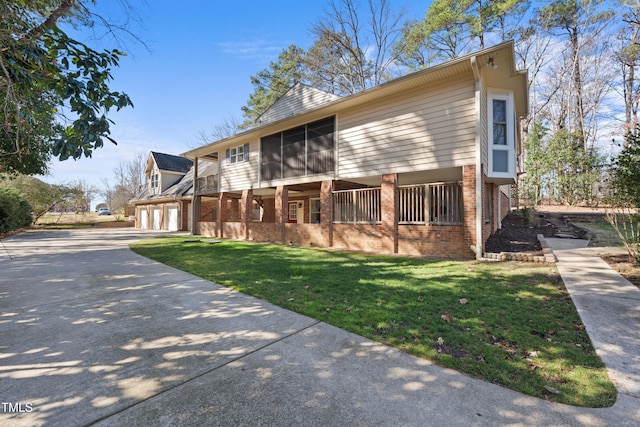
pixel 144 219
pixel 157 219
pixel 172 216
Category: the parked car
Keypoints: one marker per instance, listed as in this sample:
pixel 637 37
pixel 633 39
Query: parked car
pixel 104 211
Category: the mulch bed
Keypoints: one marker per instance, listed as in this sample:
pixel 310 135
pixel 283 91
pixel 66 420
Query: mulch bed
pixel 519 235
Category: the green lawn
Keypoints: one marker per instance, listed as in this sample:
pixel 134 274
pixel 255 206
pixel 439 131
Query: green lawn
pixel 604 234
pixel 511 324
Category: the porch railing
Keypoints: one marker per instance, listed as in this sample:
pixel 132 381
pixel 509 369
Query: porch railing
pixel 357 206
pixel 207 185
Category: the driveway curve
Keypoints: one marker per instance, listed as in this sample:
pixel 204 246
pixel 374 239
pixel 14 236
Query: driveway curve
pixel 93 334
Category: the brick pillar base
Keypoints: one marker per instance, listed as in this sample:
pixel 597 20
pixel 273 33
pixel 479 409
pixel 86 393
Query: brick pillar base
pixel 282 209
pixel 326 215
pixel 389 207
pixel 222 213
pixel 246 211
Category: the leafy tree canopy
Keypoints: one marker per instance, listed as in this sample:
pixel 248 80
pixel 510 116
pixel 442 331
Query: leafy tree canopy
pixel 53 89
pixel 626 172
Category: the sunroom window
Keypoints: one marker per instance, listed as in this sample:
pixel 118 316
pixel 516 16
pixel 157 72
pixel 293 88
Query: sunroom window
pixel 501 135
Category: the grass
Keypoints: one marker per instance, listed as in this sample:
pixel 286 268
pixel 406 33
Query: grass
pixel 510 324
pixel 605 235
pixel 55 221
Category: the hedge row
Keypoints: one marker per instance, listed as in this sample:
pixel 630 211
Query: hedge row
pixel 15 211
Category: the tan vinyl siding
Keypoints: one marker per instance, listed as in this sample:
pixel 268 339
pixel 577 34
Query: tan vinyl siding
pixel 427 129
pixel 240 176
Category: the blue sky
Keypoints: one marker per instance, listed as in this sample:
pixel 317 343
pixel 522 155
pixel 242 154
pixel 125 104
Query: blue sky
pixel 196 73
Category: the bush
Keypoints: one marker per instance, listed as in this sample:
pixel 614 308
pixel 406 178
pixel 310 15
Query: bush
pixel 15 211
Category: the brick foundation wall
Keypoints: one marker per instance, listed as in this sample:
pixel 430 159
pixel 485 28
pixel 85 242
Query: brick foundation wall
pixel 361 237
pixel 266 232
pixel 307 234
pixel 504 205
pixel 433 241
pixel 207 229
pixel 233 230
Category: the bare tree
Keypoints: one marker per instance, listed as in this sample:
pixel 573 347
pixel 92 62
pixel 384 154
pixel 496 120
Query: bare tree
pixel 361 51
pixel 128 181
pixel 229 126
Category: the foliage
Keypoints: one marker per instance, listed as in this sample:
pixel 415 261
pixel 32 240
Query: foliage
pixel 624 214
pixel 576 169
pixel 44 197
pixel 510 324
pixel 625 181
pixel 559 167
pixel 626 223
pixel 537 165
pixel 54 88
pixel 15 211
pixel 346 56
pixel 273 82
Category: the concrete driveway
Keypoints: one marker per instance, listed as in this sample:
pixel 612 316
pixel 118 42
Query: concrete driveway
pixel 93 334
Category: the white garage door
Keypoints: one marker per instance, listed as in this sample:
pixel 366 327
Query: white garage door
pixel 144 219
pixel 157 219
pixel 172 215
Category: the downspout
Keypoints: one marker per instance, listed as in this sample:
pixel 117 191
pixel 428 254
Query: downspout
pixel 192 224
pixel 477 248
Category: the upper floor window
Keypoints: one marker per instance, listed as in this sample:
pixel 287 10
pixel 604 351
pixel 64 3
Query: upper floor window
pixel 502 135
pixel 237 154
pixel 155 181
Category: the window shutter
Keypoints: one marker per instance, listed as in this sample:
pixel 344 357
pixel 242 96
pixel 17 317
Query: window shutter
pixel 228 156
pixel 246 151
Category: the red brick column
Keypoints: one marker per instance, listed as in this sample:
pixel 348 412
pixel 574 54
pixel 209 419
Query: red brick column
pixel 389 207
pixel 469 200
pixel 326 213
pixel 196 213
pixel 246 211
pixel 222 212
pixel 282 209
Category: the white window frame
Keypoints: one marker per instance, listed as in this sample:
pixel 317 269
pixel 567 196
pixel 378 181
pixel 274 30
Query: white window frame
pixel 154 182
pixel 311 211
pixel 510 136
pixel 237 154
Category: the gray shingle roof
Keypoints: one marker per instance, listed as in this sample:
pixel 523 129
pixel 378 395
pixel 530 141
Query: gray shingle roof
pixel 169 162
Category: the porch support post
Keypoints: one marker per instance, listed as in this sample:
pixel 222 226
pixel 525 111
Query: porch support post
pixel 222 212
pixel 326 211
pixel 472 209
pixel 246 211
pixel 282 210
pixel 389 206
pixel 196 201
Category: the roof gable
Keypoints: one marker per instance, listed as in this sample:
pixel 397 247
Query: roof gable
pixel 296 100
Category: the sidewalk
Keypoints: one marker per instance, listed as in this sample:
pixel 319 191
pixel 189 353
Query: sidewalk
pixel 609 306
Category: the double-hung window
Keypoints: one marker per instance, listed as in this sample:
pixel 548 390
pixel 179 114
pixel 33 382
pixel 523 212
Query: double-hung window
pixel 237 154
pixel 502 135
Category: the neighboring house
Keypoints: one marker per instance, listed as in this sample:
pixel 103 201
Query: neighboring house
pixel 164 202
pixel 421 165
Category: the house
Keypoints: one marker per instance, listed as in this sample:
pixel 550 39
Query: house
pixel 420 165
pixel 164 202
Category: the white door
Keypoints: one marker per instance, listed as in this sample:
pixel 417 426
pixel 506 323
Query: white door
pixel 172 216
pixel 296 212
pixel 144 219
pixel 157 219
